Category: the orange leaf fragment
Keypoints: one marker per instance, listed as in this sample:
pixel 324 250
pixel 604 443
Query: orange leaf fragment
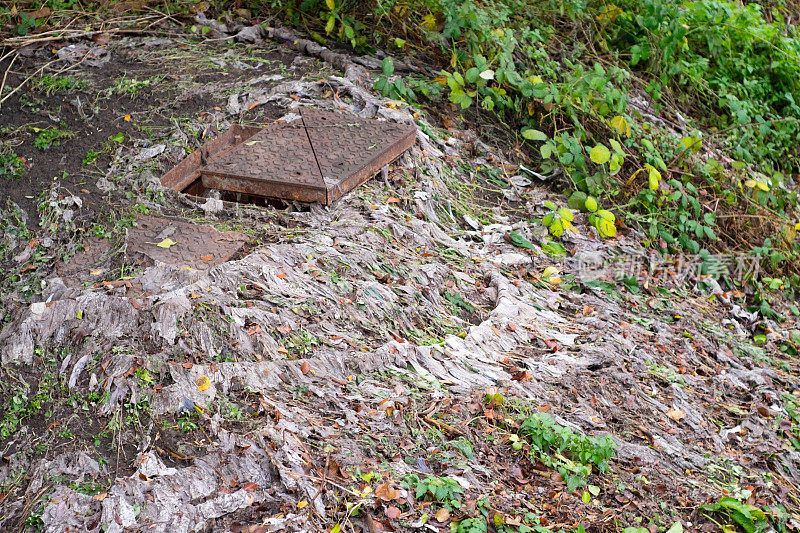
pixel 393 512
pixel 280 275
pixel 387 493
pixel 393 200
pixel 100 497
pixel 127 118
pixel 207 258
pixel 305 368
pixel 442 515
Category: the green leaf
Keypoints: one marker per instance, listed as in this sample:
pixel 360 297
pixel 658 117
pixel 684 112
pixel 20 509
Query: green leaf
pixel 586 497
pixel 677 527
pixel 546 150
pixel 594 490
pixel 349 32
pixel 548 219
pixel 472 75
pixel 577 200
pixel 600 154
pixel 330 25
pixel 692 143
pixel 337 528
pixel 331 4
pixel 487 74
pixel 534 135
pixel 119 137
pixel 399 43
pixel 653 177
pixel 606 215
pixel 605 227
pixel 554 249
pixel 566 214
pixel 387 66
pixel 549 205
pixel 557 228
pixel 591 204
pixel 520 241
pixel 381 85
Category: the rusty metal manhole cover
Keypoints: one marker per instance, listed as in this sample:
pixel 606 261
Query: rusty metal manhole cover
pixel 318 158
pixel 195 246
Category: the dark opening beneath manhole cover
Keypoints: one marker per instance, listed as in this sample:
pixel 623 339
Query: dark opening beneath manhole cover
pixel 317 158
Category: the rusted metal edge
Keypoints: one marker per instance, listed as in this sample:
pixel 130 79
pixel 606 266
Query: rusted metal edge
pixel 188 170
pixel 282 190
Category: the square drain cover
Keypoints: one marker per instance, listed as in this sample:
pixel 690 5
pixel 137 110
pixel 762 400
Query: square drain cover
pixel 318 158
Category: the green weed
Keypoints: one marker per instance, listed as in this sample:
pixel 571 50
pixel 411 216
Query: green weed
pixel 132 87
pixel 90 157
pixel 50 84
pixel 11 165
pixel 569 453
pixel 50 136
pixel 300 344
pixel 434 489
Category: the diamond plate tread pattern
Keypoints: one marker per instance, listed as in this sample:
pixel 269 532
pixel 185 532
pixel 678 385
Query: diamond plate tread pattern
pixel 279 153
pixel 346 145
pixel 199 247
pixel 316 159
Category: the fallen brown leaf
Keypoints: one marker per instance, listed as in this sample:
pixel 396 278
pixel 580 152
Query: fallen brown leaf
pixel 393 512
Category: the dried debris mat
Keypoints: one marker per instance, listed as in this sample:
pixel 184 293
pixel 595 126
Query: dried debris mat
pixel 340 344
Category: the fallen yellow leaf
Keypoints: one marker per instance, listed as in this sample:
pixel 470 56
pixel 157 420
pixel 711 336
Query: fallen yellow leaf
pixel 301 504
pixel 442 515
pixel 127 118
pixel 166 243
pixel 675 414
pixel 203 383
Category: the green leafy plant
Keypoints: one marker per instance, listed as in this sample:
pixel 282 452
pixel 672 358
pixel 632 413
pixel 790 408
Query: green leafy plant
pixel 570 453
pixel 11 165
pixel 393 86
pixel 49 84
pixel 434 489
pixel 187 421
pixel 132 87
pixel 300 344
pixel 558 220
pixel 50 136
pixel 749 517
pixel 90 158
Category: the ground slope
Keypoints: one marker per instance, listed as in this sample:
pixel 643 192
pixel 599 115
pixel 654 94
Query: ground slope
pixel 398 361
